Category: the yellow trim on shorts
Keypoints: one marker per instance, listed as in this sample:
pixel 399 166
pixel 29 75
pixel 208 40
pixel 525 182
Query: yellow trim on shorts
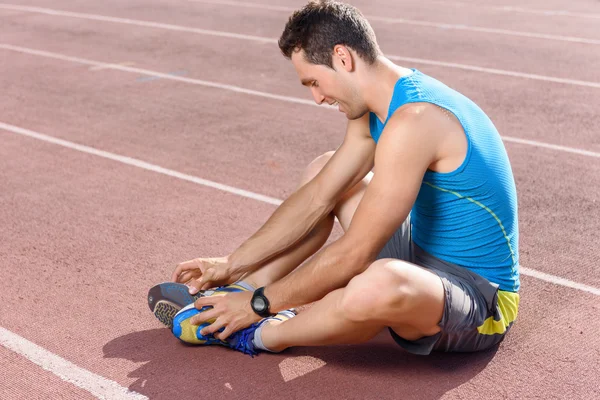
pixel 508 308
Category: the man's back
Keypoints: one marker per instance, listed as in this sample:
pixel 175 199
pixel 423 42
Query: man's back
pixel 467 216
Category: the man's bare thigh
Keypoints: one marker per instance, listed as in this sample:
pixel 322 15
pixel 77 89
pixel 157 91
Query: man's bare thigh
pixel 407 298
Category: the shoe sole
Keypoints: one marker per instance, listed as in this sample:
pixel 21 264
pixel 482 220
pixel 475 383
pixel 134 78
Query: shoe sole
pixel 168 298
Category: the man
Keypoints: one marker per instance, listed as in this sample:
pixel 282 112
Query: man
pixel 430 249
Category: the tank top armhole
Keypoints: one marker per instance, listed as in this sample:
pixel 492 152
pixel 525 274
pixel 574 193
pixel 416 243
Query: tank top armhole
pixel 465 162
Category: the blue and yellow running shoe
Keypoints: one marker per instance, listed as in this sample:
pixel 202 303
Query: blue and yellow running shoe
pixel 191 333
pixel 168 298
pixel 241 340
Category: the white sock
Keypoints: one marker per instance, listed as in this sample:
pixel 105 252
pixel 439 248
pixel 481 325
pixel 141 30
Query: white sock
pixel 257 340
pixel 245 285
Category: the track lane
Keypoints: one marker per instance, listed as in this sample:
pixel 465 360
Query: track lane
pixel 514 104
pixel 98 235
pixel 542 320
pixel 23 379
pixel 190 123
pixel 562 59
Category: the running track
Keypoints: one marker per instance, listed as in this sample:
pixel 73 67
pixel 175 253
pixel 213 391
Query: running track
pixel 135 135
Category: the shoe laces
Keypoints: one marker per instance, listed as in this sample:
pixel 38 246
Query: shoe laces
pixel 243 339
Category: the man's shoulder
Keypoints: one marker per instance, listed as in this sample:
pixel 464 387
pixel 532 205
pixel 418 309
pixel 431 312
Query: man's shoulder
pixel 426 118
pixel 412 112
pixel 414 117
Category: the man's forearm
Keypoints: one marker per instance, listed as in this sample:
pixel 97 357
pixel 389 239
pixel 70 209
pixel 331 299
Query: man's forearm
pixel 330 269
pixel 297 216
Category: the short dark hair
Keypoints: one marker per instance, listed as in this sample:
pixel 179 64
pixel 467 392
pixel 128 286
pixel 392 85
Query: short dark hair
pixel 321 25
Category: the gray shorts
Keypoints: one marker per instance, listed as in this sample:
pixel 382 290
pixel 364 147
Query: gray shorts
pixel 470 300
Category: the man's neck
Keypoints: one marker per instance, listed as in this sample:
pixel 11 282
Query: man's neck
pixel 378 85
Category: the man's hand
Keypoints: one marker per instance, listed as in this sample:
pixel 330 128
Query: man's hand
pixel 232 312
pixel 205 273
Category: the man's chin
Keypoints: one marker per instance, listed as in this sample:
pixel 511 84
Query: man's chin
pixel 353 117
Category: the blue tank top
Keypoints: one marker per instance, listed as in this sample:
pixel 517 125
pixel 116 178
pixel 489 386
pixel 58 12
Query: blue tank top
pixel 468 216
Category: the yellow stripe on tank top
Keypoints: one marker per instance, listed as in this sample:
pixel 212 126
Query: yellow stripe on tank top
pixel 479 204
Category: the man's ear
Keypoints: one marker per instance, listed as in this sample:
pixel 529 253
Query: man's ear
pixel 343 58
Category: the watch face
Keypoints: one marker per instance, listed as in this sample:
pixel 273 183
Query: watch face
pixel 259 304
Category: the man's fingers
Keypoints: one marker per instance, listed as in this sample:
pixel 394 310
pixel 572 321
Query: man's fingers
pixel 187 276
pixel 199 275
pixel 207 301
pixel 212 328
pixel 204 282
pixel 204 316
pixel 212 277
pixel 184 266
pixel 175 274
pixel 226 333
pixel 198 284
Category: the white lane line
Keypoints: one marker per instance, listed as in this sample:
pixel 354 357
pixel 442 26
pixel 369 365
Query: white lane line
pixel 100 68
pixel 497 31
pixel 443 2
pixel 413 22
pixel 263 40
pixel 551 146
pixel 238 89
pixel 149 24
pixel 558 280
pixel 139 163
pixel 97 385
pixel 495 71
pixel 547 13
pixel 155 168
pixel 141 71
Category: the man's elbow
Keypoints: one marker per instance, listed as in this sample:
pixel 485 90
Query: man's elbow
pixel 360 258
pixel 319 201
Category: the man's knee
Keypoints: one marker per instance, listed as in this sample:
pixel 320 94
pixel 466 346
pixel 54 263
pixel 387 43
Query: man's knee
pixel 385 285
pixel 316 166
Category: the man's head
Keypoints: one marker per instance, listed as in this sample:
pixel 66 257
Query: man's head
pixel 327 41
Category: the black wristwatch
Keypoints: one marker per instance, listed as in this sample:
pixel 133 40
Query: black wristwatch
pixel 260 304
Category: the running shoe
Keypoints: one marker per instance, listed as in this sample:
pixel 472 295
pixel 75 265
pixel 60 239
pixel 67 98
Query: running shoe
pixel 241 340
pixel 168 298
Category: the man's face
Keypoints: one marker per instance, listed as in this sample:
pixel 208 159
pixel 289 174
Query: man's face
pixel 331 86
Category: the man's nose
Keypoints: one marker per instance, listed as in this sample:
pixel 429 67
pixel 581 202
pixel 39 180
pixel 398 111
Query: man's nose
pixel 319 98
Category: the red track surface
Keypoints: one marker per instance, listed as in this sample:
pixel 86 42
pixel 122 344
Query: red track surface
pixel 83 237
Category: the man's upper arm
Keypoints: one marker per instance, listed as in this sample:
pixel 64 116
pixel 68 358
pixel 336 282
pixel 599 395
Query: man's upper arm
pixel 350 163
pixel 406 148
